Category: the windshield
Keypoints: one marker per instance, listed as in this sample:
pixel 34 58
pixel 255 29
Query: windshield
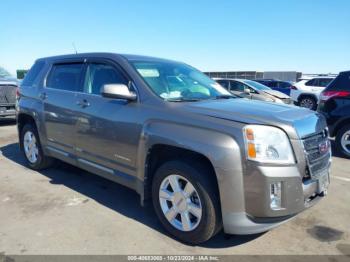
pixel 4 73
pixel 174 81
pixel 256 85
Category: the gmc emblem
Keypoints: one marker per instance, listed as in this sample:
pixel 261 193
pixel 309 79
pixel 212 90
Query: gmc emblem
pixel 323 147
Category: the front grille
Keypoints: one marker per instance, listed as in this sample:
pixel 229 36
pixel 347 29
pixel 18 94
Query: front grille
pixel 7 94
pixel 318 153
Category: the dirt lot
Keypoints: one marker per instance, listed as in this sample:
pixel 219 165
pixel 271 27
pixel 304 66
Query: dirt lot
pixel 65 210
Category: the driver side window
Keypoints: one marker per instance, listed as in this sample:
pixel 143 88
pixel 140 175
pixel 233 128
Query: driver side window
pixel 237 86
pixel 98 75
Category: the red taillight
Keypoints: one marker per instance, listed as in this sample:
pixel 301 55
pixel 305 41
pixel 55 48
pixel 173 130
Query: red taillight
pixel 294 88
pixel 329 94
pixel 18 94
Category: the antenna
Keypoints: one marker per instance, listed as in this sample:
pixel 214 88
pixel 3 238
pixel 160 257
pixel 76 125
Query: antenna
pixel 75 49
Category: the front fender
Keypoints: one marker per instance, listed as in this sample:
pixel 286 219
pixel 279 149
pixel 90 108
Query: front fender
pixel 221 149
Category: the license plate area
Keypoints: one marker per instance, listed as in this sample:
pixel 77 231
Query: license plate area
pixel 322 181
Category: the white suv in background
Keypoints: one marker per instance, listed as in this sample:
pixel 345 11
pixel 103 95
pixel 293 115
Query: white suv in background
pixel 306 92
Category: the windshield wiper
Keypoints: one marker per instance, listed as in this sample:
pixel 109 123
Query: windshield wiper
pixel 182 99
pixel 225 96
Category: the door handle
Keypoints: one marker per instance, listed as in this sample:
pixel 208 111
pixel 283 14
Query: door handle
pixel 43 95
pixel 83 103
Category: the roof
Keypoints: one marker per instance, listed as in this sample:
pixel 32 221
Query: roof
pixel 129 57
pixel 235 79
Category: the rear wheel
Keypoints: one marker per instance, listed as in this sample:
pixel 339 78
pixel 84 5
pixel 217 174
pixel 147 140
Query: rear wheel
pixel 342 141
pixel 31 146
pixel 186 201
pixel 308 102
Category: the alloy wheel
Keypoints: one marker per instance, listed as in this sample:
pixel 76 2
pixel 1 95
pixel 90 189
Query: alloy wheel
pixel 31 148
pixel 307 103
pixel 345 141
pixel 180 203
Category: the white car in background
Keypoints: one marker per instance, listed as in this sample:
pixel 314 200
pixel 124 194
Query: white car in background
pixel 306 92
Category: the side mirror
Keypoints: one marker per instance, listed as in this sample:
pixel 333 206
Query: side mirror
pixel 118 91
pixel 247 91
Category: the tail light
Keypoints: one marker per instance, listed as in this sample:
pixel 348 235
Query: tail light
pixel 18 94
pixel 326 95
pixel 294 88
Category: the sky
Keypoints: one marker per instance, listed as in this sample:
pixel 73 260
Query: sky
pixel 212 35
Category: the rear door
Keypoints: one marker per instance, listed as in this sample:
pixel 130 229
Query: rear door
pixel 59 96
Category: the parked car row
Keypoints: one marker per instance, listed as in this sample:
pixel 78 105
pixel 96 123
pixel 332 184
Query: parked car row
pixel 253 90
pixel 329 95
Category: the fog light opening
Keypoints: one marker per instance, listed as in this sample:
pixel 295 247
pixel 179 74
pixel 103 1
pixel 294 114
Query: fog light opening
pixel 276 196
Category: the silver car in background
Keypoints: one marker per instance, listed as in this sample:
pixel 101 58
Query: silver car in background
pixel 253 90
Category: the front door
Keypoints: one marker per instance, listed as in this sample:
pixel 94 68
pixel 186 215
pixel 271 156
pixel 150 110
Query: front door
pixel 237 88
pixel 107 130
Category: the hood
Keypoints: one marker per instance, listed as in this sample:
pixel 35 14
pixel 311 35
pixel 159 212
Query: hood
pixel 277 94
pixel 297 122
pixel 8 81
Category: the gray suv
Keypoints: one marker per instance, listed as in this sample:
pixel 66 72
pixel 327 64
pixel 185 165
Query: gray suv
pixel 207 159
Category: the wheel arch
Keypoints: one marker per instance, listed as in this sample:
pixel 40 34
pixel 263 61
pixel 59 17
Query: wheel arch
pixel 161 153
pixel 221 151
pixel 301 96
pixel 343 122
pixel 22 120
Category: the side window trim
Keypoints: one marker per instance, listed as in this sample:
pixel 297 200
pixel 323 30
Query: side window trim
pixel 101 62
pixel 118 67
pixel 62 62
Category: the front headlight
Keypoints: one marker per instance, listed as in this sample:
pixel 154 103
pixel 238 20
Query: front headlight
pixel 267 144
pixel 277 100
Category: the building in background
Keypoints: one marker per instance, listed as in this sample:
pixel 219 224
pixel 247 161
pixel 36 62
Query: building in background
pixel 291 76
pixel 236 74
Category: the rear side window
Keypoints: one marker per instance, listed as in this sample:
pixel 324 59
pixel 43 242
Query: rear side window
pixel 269 83
pixel 323 82
pixel 33 73
pixel 284 85
pixel 224 83
pixel 341 83
pixel 311 82
pixel 65 77
pixel 272 84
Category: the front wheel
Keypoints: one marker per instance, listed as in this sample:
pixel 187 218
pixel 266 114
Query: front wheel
pixel 186 201
pixel 308 102
pixel 342 141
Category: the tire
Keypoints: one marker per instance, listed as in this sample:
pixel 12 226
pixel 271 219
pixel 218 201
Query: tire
pixel 41 161
pixel 343 135
pixel 308 102
pixel 206 194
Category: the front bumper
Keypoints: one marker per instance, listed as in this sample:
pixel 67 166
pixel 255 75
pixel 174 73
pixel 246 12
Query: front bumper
pixel 7 111
pixel 302 185
pixel 297 195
